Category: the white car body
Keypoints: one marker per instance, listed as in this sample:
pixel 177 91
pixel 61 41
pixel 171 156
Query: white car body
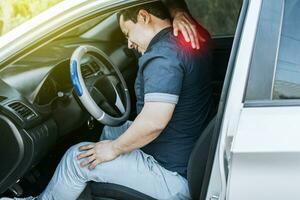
pixel 258 151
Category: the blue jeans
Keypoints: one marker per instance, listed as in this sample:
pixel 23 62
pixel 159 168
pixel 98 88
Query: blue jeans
pixel 136 170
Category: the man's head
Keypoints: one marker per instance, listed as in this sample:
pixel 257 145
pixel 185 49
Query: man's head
pixel 141 23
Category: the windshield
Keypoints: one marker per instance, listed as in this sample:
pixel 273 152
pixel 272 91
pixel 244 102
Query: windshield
pixel 15 12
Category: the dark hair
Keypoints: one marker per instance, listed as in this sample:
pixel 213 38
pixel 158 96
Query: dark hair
pixel 157 9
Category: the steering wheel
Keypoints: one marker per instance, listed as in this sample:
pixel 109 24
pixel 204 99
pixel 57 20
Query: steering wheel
pixel 104 92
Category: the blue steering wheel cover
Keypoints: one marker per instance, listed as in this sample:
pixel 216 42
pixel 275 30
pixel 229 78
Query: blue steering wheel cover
pixel 75 78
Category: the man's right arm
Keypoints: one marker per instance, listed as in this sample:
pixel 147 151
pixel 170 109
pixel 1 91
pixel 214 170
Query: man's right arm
pixel 175 6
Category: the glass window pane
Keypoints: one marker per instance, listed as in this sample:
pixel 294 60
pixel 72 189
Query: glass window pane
pixel 264 56
pixel 287 78
pixel 219 17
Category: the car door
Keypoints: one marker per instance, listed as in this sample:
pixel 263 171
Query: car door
pixel 265 151
pixel 258 151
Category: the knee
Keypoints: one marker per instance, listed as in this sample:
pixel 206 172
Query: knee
pixel 71 154
pixel 69 167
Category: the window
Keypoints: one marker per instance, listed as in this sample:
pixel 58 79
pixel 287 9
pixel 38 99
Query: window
pixel 219 17
pixel 275 65
pixel 287 77
pixel 263 61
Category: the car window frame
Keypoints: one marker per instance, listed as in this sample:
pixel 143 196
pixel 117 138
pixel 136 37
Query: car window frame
pixel 205 190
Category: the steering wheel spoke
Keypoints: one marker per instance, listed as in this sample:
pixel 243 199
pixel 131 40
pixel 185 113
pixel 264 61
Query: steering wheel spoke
pixel 114 106
pixel 119 103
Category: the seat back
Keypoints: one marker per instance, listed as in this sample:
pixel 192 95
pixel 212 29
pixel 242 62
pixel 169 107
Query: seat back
pixel 197 160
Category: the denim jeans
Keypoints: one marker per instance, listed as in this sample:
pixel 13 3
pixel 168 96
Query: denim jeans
pixel 135 169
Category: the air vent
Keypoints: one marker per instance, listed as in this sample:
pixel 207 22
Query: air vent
pixel 86 71
pixel 2 98
pixel 22 110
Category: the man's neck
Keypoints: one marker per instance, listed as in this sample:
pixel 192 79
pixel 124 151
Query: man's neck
pixel 157 26
pixel 160 25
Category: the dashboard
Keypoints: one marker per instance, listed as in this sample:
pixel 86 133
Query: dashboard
pixel 38 104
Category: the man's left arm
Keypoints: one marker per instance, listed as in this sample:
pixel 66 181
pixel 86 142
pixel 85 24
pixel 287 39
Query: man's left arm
pixel 183 22
pixel 147 126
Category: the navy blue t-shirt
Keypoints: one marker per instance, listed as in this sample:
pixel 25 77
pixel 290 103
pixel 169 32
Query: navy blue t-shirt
pixel 171 71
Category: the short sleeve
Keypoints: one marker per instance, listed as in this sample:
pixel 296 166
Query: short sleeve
pixel 163 77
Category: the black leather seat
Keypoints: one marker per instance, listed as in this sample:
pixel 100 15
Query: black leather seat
pixel 195 174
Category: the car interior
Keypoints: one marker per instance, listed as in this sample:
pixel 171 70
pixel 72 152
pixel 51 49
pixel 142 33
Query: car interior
pixel 41 115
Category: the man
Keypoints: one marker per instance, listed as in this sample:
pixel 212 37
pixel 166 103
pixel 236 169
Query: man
pixel 151 153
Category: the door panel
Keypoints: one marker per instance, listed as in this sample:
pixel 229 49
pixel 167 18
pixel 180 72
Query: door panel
pixel 265 155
